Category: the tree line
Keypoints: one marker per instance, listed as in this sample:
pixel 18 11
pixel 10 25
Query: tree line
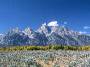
pixel 49 47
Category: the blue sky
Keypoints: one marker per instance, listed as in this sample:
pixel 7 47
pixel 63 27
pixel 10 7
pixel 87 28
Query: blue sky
pixel 32 13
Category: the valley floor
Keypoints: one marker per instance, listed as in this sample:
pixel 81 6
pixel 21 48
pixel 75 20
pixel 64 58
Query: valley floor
pixel 49 58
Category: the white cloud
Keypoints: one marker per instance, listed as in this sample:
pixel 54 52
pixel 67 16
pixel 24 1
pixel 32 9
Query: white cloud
pixel 82 32
pixel 1 34
pixel 53 23
pixel 86 27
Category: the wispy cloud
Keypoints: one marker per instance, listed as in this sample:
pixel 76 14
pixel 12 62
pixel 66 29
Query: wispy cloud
pixel 86 27
pixel 82 32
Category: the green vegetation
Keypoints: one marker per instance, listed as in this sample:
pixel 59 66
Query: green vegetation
pixel 49 47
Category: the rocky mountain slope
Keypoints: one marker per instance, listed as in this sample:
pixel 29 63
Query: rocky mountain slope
pixel 50 33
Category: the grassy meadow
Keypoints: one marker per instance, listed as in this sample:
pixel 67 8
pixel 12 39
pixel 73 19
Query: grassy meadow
pixel 45 56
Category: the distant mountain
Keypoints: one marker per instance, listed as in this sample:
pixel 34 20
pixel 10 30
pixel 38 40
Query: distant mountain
pixel 50 33
pixel 1 39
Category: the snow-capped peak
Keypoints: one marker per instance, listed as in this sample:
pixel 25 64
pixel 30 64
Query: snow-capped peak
pixel 53 23
pixel 16 30
pixel 28 31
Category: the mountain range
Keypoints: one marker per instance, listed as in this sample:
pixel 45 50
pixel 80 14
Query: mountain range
pixel 51 33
